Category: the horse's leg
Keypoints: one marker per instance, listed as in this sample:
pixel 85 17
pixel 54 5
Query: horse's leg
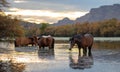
pixel 49 47
pixel 89 48
pixel 53 44
pixel 43 47
pixel 39 47
pixel 79 51
pixel 32 44
pixel 84 51
pixel 70 47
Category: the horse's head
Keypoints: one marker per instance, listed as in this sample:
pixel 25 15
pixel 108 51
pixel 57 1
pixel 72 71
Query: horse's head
pixel 34 40
pixel 76 39
pixel 72 42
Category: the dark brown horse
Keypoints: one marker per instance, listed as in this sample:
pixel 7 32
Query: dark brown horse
pixel 24 41
pixel 46 41
pixel 83 41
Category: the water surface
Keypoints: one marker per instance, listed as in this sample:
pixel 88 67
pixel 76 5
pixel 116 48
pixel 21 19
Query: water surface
pixel 105 58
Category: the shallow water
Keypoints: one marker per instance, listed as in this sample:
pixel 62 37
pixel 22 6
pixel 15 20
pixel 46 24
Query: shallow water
pixel 105 58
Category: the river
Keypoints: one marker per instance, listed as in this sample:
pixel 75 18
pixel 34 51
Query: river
pixel 105 58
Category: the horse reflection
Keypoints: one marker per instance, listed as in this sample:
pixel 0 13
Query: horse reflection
pixel 46 54
pixel 81 62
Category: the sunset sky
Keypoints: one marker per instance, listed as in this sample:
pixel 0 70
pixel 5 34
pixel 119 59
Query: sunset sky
pixel 50 11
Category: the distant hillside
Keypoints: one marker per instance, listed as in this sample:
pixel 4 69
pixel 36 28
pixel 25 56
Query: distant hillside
pixel 64 21
pixel 29 25
pixel 95 14
pixel 101 13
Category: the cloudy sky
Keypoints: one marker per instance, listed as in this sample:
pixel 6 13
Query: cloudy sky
pixel 50 11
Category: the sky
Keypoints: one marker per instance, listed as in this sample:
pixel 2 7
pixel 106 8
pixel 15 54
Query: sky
pixel 50 11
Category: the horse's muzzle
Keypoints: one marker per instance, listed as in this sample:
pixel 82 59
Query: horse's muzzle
pixel 70 48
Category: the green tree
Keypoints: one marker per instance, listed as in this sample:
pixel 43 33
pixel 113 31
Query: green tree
pixel 50 30
pixel 32 31
pixel 43 27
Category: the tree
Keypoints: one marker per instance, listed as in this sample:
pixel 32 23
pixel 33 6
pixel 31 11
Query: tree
pixel 32 31
pixel 43 27
pixel 50 30
pixel 3 3
pixel 10 27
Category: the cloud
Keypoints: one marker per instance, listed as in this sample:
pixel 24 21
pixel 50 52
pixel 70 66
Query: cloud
pixel 14 9
pixel 44 5
pixel 19 1
pixel 46 15
pixel 40 19
pixel 53 10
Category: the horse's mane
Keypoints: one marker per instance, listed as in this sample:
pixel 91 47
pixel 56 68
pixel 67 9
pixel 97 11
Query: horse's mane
pixel 78 36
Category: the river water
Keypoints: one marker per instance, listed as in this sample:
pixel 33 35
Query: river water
pixel 105 58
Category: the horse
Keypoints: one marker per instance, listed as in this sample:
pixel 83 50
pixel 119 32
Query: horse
pixel 24 41
pixel 84 41
pixel 46 41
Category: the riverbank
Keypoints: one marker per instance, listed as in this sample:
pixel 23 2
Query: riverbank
pixel 96 39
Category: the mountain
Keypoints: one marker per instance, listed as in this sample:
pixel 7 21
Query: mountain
pixel 28 25
pixel 95 14
pixel 101 13
pixel 64 22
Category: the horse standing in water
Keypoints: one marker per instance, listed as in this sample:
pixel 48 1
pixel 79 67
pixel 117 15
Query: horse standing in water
pixel 25 41
pixel 46 41
pixel 83 41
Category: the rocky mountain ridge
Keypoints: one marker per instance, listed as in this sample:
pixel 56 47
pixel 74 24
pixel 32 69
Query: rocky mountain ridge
pixel 95 14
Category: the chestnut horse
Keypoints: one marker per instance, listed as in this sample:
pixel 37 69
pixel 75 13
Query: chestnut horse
pixel 46 41
pixel 84 41
pixel 24 41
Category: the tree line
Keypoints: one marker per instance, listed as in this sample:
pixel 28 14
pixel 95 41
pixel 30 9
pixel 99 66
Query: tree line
pixel 106 28
pixel 11 27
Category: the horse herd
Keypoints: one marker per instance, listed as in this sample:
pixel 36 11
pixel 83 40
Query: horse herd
pixel 43 41
pixel 84 41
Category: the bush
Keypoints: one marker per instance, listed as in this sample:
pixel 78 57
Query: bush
pixel 10 66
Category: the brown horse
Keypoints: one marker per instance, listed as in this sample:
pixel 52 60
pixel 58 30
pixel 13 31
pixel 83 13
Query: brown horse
pixel 47 41
pixel 24 41
pixel 83 41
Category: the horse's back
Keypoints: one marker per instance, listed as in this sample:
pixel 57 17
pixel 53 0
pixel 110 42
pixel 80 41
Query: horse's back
pixel 22 41
pixel 88 39
pixel 50 40
pixel 46 40
pixel 43 41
